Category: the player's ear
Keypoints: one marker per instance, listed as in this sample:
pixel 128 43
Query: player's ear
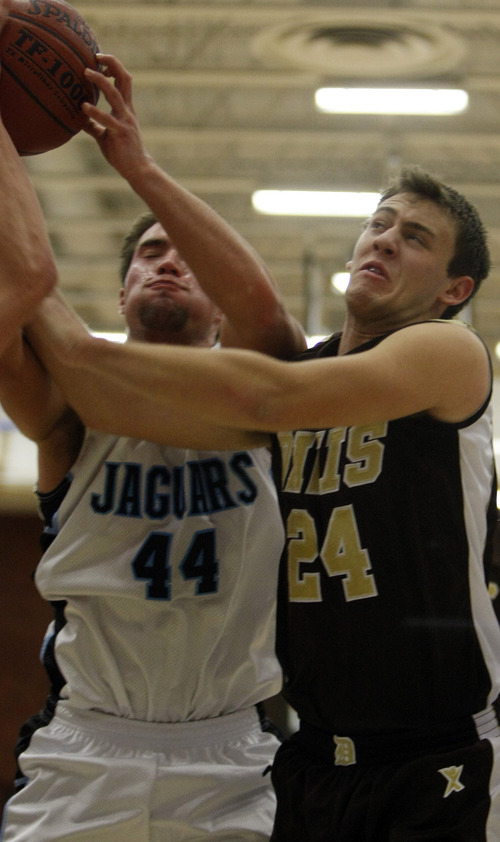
pixel 458 290
pixel 121 301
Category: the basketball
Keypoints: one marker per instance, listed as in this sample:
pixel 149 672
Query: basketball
pixel 45 46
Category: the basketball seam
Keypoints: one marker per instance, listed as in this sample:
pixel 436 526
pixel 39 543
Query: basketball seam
pixel 38 102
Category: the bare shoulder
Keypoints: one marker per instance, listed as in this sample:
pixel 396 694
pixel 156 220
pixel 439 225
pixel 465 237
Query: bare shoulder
pixel 443 331
pixel 441 342
pixel 454 358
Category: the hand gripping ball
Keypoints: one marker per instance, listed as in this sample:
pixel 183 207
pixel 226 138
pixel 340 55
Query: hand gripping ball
pixel 45 46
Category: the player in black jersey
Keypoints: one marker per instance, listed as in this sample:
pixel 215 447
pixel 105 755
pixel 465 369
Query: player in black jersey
pixel 384 462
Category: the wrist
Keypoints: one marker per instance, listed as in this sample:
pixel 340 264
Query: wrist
pixel 142 173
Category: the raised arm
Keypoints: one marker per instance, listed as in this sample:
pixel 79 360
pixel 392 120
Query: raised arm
pixel 228 269
pixel 28 273
pixel 27 270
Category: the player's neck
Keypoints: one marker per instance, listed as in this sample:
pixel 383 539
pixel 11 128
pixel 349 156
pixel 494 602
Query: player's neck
pixel 162 337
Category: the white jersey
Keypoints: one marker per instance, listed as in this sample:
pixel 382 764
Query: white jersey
pixel 167 560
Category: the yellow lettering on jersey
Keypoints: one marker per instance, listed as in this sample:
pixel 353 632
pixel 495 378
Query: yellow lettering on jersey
pixel 302 549
pixel 330 479
pixel 343 555
pixel 314 479
pixel 302 443
pixel 365 453
pixel 345 751
pixel 452 775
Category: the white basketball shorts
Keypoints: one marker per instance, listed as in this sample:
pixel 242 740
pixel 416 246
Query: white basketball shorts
pixel 97 778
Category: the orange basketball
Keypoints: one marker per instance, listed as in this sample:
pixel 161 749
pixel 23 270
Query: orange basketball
pixel 45 46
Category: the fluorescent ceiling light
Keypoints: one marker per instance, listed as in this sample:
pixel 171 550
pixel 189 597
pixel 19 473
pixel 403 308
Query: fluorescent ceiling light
pixel 340 281
pixel 311 342
pixel 391 100
pixel 314 203
pixel 111 336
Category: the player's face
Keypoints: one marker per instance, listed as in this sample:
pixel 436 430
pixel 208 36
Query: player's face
pixel 400 262
pixel 161 298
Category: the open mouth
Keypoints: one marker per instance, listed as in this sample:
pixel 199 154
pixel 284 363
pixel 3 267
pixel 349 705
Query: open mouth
pixel 374 269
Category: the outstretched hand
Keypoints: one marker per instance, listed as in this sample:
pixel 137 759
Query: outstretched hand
pixel 117 132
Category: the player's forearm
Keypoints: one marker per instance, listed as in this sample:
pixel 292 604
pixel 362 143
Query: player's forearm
pixel 97 384
pixel 125 389
pixel 27 267
pixel 227 267
pixel 219 257
pixel 106 382
pixel 233 389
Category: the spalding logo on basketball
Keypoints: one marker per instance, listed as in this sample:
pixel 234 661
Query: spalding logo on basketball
pixel 45 46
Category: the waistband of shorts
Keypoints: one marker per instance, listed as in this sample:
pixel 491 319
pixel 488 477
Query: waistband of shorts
pixel 159 735
pixel 350 749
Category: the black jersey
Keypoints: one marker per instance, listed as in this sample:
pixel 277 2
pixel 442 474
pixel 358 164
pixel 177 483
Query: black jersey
pixel 385 622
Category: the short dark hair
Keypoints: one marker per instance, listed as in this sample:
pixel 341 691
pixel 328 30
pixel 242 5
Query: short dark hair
pixel 471 249
pixel 142 223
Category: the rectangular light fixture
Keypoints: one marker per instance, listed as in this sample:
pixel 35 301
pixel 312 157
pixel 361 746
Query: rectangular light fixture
pixel 111 336
pixel 340 281
pixel 314 203
pixel 391 100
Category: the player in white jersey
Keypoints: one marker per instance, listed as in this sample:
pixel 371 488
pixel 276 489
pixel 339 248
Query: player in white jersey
pixel 161 562
pixel 182 560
